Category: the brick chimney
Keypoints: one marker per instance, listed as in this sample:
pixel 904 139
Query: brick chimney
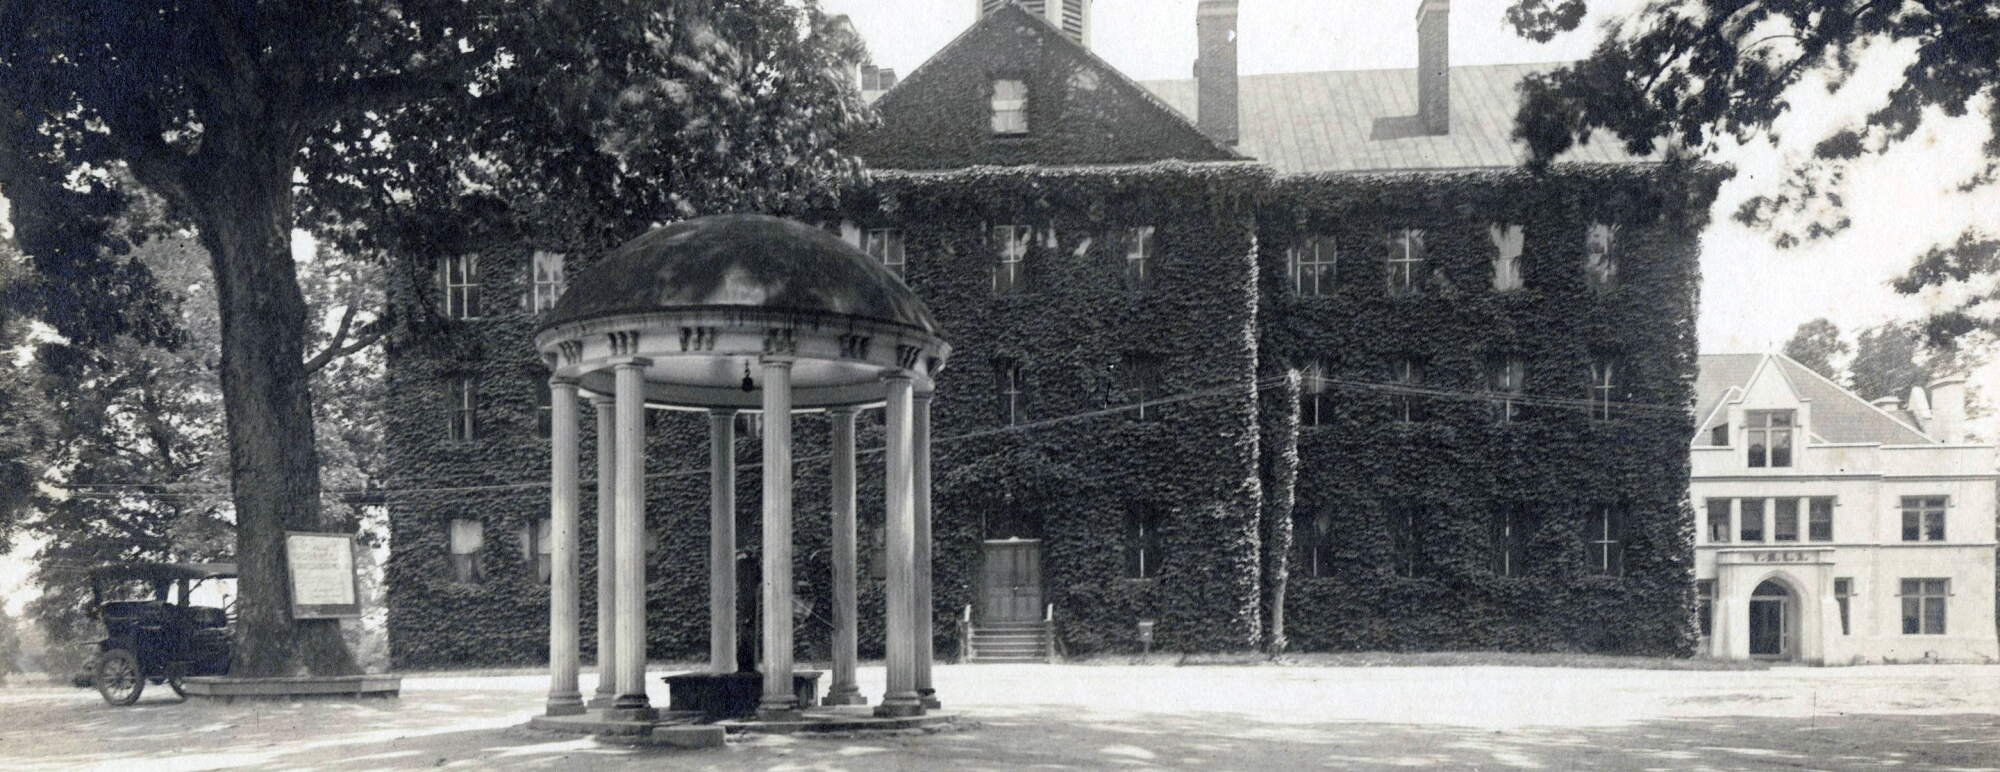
pixel 1434 65
pixel 1947 422
pixel 1215 70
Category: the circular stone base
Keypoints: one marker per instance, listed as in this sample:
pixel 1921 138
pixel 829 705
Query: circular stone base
pixel 858 718
pixel 229 689
pixel 685 728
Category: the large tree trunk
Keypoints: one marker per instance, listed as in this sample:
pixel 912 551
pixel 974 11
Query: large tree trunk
pixel 245 216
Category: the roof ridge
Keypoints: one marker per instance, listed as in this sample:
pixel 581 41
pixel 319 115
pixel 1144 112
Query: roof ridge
pixel 1849 393
pixel 1373 70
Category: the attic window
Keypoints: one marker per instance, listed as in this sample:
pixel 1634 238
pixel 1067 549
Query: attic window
pixel 1010 107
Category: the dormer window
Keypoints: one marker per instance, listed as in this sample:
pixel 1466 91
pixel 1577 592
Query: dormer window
pixel 1769 437
pixel 1010 107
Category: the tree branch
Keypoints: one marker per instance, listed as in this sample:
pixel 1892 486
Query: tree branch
pixel 363 338
pixel 381 92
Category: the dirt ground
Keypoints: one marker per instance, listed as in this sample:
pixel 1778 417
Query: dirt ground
pixel 1068 717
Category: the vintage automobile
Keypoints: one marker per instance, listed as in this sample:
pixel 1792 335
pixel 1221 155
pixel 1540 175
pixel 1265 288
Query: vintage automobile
pixel 152 631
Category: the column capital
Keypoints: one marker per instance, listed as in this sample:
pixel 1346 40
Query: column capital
pixel 603 402
pixel 924 395
pixel 843 410
pixel 776 360
pixel 898 375
pixel 723 412
pixel 565 381
pixel 622 363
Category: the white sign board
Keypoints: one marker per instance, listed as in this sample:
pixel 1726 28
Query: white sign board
pixel 321 566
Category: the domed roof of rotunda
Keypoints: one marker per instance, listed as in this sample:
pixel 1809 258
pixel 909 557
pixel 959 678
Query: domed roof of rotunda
pixel 752 260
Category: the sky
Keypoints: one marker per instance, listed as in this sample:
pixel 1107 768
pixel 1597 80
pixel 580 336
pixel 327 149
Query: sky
pixel 1753 294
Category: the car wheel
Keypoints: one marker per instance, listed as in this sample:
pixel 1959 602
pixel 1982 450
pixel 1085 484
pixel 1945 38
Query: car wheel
pixel 118 677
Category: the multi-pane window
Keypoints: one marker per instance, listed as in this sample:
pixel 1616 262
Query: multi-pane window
pixel 1507 243
pixel 1145 384
pixel 1405 263
pixel 1139 264
pixel 465 538
pixel 1405 537
pixel 1505 376
pixel 1704 610
pixel 1007 382
pixel 1010 107
pixel 1603 387
pixel 1312 262
pixel 1923 605
pixel 1718 521
pixel 886 246
pixel 1719 436
pixel 546 282
pixel 1510 532
pixel 535 547
pixel 1317 536
pixel 1769 437
pixel 1407 376
pixel 1313 409
pixel 458 279
pixel 1784 520
pixel 462 408
pixel 1752 520
pixel 544 412
pixel 1843 594
pixel 1604 541
pixel 1010 245
pixel 1600 256
pixel 1923 518
pixel 1819 519
pixel 1144 547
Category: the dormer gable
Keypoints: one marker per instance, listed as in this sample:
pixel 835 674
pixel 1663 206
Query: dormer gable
pixel 1013 90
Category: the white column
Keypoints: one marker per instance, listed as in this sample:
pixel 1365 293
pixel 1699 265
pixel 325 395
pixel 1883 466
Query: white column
pixel 920 448
pixel 778 698
pixel 722 541
pixel 844 691
pixel 607 554
pixel 564 699
pixel 900 699
pixel 631 512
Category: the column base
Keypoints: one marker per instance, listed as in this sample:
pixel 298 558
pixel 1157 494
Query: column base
pixel 631 714
pixel 901 706
pixel 778 708
pixel 848 695
pixel 929 698
pixel 601 701
pixel 571 705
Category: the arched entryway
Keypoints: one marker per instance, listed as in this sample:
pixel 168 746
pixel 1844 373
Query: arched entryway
pixel 1774 621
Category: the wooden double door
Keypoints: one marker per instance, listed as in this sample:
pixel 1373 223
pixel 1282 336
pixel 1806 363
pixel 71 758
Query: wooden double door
pixel 1010 581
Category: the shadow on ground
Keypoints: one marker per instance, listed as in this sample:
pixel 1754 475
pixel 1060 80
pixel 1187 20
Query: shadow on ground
pixel 476 728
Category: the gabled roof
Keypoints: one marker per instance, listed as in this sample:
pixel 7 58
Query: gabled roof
pixel 1838 415
pixel 1365 120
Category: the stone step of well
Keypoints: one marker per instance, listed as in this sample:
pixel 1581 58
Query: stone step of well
pixel 1010 636
pixel 984 660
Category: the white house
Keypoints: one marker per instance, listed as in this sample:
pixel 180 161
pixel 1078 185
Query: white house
pixel 1833 530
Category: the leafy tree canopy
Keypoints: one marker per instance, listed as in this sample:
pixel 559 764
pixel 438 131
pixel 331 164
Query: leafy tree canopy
pixel 371 122
pixel 1817 344
pixel 1688 73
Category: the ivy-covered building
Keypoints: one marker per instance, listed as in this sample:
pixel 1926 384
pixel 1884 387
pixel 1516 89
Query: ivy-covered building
pixel 1298 358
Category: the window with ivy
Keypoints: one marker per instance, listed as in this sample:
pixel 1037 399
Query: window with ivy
pixel 1313 407
pixel 462 408
pixel 1012 392
pixel 1600 256
pixel 1405 261
pixel 1509 536
pixel 1010 107
pixel 1604 375
pixel 1144 548
pixel 1604 541
pixel 546 282
pixel 1312 262
pixel 1406 524
pixel 1507 243
pixel 458 284
pixel 1315 535
pixel 1505 376
pixel 464 538
pixel 535 548
pixel 1145 385
pixel 1139 263
pixel 1406 382
pixel 886 246
pixel 1010 247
